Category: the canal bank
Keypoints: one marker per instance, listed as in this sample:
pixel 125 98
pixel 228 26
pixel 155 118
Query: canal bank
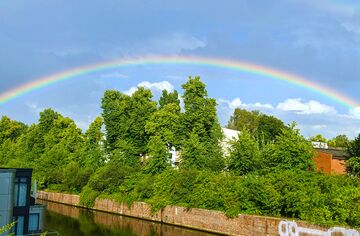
pixel 199 219
pixel 69 220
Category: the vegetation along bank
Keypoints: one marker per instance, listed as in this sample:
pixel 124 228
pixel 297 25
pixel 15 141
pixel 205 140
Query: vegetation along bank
pixel 125 155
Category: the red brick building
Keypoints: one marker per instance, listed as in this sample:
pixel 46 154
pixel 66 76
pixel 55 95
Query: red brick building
pixel 331 161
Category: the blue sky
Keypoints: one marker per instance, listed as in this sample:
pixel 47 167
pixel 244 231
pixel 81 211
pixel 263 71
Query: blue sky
pixel 319 40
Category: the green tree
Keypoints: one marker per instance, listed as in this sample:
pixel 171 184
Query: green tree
pixel 243 119
pixel 47 119
pixel 10 129
pixel 193 154
pixel 125 118
pixel 92 152
pixel 199 123
pixel 116 114
pixel 353 166
pixel 290 151
pixel 167 98
pixel 244 154
pixel 318 138
pixel 354 147
pixel 269 127
pixel 62 142
pixel 200 111
pixel 140 111
pixel 93 134
pixel 165 123
pixel 340 141
pixel 265 127
pixel 75 177
pixel 126 154
pixel 159 156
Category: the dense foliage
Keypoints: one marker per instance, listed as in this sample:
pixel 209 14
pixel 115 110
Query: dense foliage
pixel 340 141
pixel 310 196
pixel 353 164
pixel 125 155
pixel 264 127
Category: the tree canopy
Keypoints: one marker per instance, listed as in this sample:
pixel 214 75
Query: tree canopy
pixel 265 127
pixel 340 141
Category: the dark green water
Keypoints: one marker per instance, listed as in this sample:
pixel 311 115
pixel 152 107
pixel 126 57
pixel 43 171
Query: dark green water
pixel 68 221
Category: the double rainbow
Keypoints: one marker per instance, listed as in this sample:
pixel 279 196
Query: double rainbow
pixel 180 60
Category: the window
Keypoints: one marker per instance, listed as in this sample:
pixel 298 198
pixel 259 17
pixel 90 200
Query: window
pixel 34 222
pixel 20 191
pixel 18 229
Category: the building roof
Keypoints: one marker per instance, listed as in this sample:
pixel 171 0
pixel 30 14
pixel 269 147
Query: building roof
pixel 336 153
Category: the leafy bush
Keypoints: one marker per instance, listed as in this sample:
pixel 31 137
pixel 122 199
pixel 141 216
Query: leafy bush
pixel 318 198
pixel 88 197
pixel 109 177
pixel 353 166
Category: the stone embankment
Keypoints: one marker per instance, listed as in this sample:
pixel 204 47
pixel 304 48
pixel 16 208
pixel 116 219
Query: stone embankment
pixel 201 219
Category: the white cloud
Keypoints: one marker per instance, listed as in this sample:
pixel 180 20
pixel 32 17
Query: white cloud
pixel 34 107
pixel 226 108
pixel 157 86
pixel 237 103
pixel 311 107
pixel 355 113
pixel 318 127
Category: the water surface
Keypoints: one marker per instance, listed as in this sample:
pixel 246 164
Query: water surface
pixel 70 220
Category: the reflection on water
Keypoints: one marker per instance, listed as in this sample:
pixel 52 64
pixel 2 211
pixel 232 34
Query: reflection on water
pixel 69 220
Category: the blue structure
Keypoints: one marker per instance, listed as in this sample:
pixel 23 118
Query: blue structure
pixel 16 203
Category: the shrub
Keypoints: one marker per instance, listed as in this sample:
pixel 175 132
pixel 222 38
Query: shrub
pixel 88 197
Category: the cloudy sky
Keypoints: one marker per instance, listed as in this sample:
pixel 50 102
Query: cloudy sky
pixel 318 40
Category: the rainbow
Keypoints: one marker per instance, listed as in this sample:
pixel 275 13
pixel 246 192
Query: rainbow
pixel 180 60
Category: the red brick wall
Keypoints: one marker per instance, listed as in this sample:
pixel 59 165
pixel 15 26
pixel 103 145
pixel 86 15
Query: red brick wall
pixel 323 161
pixel 338 166
pixel 207 220
pixel 138 209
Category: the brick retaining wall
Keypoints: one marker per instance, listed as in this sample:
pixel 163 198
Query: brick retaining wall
pixel 207 220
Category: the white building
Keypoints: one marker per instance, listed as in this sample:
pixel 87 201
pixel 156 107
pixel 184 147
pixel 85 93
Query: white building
pixel 229 134
pixel 322 145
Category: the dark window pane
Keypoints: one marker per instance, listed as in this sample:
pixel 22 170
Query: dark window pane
pixel 22 194
pixel 33 222
pixel 20 225
pixel 16 194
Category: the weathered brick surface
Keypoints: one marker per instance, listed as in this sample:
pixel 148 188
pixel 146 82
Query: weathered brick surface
pixel 213 221
pixel 141 210
pixel 69 199
pixel 338 166
pixel 323 162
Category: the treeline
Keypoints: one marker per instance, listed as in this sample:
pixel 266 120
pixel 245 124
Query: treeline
pixel 124 154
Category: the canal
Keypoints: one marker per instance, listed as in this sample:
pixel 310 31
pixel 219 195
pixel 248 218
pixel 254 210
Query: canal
pixel 70 220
